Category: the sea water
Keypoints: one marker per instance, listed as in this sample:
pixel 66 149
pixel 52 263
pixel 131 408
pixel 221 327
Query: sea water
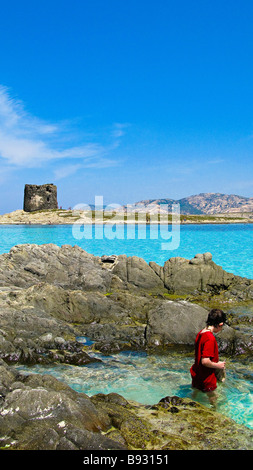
pixel 138 376
pixel 230 244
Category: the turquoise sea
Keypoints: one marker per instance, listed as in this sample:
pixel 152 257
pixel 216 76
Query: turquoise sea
pixel 138 376
pixel 230 244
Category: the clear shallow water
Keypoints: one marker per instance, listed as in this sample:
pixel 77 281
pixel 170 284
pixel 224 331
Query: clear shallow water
pixel 231 245
pixel 146 379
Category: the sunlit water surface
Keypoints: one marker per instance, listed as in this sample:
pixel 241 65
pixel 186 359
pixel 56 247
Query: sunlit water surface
pixel 148 378
pixel 231 244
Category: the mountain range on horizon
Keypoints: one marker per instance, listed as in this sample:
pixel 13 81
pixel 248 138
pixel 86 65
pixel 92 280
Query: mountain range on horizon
pixel 203 203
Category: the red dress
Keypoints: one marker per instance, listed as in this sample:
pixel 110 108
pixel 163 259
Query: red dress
pixel 203 377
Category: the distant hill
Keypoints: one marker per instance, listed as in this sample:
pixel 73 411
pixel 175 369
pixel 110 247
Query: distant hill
pixel 203 203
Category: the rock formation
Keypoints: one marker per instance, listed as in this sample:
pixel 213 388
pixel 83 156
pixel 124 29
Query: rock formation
pixel 202 275
pixel 49 292
pixel 42 197
pixel 50 295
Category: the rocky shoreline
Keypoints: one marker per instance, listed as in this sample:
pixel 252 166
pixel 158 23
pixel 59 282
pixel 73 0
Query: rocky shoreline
pixel 50 295
pixel 40 413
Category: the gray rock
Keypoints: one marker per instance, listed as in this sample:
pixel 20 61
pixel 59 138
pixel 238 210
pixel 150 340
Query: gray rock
pixel 201 275
pixel 178 322
pixel 175 323
pixel 40 413
pixel 136 272
pixel 67 267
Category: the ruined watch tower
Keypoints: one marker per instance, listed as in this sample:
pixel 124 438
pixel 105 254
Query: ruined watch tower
pixel 42 197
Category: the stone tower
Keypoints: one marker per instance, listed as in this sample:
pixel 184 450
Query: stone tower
pixel 40 197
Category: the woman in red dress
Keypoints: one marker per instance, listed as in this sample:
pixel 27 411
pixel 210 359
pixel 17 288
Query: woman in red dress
pixel 207 363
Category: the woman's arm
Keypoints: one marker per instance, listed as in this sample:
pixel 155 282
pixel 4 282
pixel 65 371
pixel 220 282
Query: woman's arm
pixel 206 361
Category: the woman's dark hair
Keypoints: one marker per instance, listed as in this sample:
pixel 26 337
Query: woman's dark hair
pixel 215 317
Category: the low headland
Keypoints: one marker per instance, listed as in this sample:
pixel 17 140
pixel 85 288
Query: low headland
pixel 70 216
pixel 51 295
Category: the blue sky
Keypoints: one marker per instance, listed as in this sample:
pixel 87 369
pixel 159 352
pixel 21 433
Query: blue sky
pixel 130 100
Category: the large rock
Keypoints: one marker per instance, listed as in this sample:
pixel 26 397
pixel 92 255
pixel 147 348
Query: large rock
pixel 73 268
pixel 175 323
pixel 70 267
pixel 201 274
pixel 67 266
pixel 178 322
pixel 38 324
pixel 136 272
pixel 38 412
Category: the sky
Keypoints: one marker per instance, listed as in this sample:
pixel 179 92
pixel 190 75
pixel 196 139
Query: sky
pixel 126 99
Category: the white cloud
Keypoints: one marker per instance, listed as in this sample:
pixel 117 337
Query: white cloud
pixel 65 171
pixel 68 170
pixel 29 142
pixel 119 129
